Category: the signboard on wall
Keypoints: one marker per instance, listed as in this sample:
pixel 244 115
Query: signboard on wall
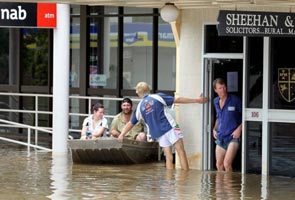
pixel 96 80
pixel 248 23
pixel 39 15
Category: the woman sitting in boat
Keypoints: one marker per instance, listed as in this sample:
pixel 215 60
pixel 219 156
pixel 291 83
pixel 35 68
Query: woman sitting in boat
pixel 121 119
pixel 95 125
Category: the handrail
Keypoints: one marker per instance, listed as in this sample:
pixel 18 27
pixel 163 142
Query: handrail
pixel 28 144
pixel 36 112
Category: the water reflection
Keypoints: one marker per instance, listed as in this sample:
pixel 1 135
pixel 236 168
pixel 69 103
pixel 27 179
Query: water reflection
pixel 60 170
pixel 39 175
pixel 227 186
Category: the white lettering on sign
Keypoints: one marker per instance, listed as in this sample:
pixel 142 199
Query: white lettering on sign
pixel 49 16
pixel 247 23
pixel 13 14
pixel 251 20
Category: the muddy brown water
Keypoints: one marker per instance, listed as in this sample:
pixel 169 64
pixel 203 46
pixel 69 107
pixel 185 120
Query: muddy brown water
pixel 38 175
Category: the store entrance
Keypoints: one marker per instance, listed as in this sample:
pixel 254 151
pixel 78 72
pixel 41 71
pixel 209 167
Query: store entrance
pixel 231 70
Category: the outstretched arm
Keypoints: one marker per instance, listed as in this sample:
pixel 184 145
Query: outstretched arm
pixel 125 130
pixel 200 99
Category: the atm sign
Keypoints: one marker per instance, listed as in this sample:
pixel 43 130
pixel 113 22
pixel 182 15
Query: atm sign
pixel 46 15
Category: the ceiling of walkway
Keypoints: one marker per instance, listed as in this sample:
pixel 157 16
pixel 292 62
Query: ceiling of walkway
pixel 181 4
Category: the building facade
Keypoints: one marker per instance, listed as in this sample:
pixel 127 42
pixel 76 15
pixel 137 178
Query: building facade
pixel 112 48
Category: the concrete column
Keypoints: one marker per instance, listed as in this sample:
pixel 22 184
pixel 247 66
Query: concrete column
pixel 61 54
pixel 265 161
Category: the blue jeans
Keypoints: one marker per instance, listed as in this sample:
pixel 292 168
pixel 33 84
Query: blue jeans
pixel 224 145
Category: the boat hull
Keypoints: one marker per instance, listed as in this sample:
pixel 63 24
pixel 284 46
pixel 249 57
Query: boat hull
pixel 111 151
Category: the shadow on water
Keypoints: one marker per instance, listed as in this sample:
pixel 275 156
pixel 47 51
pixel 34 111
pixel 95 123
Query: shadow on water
pixel 39 175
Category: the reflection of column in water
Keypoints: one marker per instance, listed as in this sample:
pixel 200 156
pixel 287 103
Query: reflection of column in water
pixel 175 184
pixel 182 186
pixel 264 187
pixel 227 186
pixel 59 177
pixel 207 185
pixel 243 182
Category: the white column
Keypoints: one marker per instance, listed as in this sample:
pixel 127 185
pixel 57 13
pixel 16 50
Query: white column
pixel 61 48
pixel 265 106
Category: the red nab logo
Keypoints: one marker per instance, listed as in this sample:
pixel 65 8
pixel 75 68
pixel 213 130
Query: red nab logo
pixel 46 15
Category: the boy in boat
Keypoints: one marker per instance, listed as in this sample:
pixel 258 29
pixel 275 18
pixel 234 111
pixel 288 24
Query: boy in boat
pixel 160 123
pixel 121 119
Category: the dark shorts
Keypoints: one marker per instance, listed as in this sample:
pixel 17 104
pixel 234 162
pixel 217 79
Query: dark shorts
pixel 224 145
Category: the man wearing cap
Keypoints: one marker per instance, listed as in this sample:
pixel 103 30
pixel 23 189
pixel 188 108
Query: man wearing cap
pixel 121 119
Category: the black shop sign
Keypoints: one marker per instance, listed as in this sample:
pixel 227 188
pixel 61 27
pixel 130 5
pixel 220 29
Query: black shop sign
pixel 40 15
pixel 248 23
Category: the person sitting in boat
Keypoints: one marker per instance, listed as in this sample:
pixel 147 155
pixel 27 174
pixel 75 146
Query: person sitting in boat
pixel 95 125
pixel 121 119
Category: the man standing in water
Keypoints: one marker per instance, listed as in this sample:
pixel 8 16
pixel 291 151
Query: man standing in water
pixel 228 125
pixel 161 124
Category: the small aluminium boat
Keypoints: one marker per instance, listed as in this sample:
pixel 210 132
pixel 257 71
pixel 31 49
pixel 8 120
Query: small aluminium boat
pixel 107 150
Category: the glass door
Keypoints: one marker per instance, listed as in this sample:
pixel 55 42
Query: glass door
pixel 231 70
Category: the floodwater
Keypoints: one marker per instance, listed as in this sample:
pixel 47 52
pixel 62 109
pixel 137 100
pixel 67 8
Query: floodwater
pixel 37 175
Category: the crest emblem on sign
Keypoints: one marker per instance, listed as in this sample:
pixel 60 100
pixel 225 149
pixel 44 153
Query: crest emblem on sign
pixel 286 83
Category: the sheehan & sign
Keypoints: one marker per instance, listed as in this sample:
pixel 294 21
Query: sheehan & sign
pixel 248 23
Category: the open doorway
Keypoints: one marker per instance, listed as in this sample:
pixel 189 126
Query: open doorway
pixel 231 70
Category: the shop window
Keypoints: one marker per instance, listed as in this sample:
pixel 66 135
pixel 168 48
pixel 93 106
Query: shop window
pixel 100 10
pixel 34 56
pixel 96 10
pixel 282 76
pixel 110 10
pixel 74 108
pixel 137 51
pixel 6 70
pixel 44 104
pixel 254 72
pixel 119 62
pixel 75 52
pixel 282 159
pixel 134 10
pixel 111 52
pixel 75 9
pixel 254 147
pixel 221 44
pixel 103 52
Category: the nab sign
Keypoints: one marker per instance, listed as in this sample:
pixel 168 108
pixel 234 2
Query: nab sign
pixel 39 15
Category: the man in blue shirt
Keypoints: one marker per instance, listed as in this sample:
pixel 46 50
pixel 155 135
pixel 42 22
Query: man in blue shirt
pixel 228 126
pixel 154 110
